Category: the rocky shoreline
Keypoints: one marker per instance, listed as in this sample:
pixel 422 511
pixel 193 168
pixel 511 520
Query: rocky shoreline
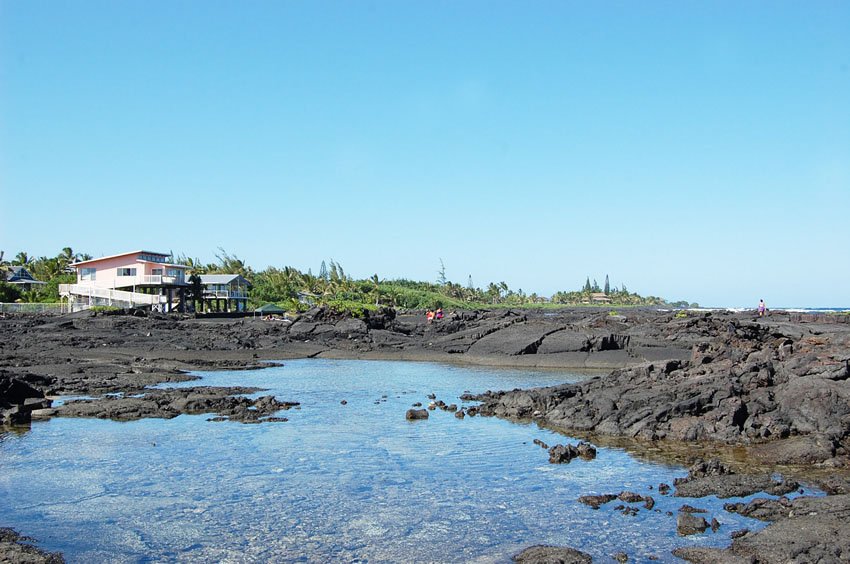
pixel 776 387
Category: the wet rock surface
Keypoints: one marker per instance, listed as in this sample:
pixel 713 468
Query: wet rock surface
pixel 714 478
pixel 561 454
pixel 168 403
pixel 552 555
pixel 17 549
pixel 806 529
pixel 777 386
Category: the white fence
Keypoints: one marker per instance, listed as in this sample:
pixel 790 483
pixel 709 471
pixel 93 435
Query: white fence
pixel 33 308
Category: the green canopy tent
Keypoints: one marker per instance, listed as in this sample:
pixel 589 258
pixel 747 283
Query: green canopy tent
pixel 269 309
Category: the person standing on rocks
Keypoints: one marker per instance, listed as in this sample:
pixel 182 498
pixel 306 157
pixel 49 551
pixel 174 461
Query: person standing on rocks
pixel 762 308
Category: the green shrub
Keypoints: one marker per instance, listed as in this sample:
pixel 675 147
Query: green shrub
pixel 352 308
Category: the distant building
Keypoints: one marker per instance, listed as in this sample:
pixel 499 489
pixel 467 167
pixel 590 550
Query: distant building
pixel 133 279
pixel 22 279
pixel 308 298
pixel 600 298
pixel 225 292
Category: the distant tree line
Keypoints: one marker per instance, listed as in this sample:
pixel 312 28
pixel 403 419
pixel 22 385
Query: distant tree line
pixel 294 289
pixel 52 270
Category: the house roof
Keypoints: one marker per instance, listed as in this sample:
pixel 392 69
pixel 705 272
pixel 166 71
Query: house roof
pixel 270 308
pixel 21 275
pixel 140 252
pixel 223 279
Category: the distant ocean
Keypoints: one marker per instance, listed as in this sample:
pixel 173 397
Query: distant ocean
pixel 777 309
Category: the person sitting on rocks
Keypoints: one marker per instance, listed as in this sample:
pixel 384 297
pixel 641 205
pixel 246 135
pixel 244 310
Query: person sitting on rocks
pixel 429 316
pixel 439 313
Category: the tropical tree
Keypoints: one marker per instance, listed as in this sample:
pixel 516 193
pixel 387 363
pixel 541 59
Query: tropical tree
pixel 195 294
pixel 22 259
pixel 493 293
pixel 441 274
pixel 9 292
pixel 195 266
pixel 46 268
pixel 4 267
pixel 66 257
pixel 228 264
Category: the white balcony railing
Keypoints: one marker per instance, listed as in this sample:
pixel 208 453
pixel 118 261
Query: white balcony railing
pixel 159 280
pixel 225 294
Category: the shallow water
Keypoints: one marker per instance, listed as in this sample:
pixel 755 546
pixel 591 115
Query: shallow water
pixel 351 483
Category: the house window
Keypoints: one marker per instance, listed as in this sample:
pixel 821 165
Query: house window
pixel 126 272
pixel 87 273
pixel 156 272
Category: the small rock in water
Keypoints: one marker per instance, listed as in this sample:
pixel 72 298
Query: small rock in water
pixel 689 524
pixel 541 444
pixel 413 414
pixel 560 454
pixel 538 554
pixel 344 402
pixel 595 501
pixel 715 524
pixel 586 451
pixel 460 414
pixel 630 497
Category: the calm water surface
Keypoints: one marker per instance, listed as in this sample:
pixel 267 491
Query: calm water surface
pixel 352 483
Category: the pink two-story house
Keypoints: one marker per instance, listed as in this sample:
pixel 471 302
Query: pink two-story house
pixel 134 279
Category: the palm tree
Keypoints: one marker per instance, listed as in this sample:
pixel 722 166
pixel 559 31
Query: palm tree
pixel 4 267
pixel 44 268
pixel 22 259
pixel 228 264
pixel 493 292
pixel 196 291
pixel 376 288
pixel 195 265
pixel 67 255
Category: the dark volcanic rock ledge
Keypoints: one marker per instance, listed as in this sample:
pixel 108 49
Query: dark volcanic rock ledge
pixel 745 383
pixel 16 548
pixel 780 385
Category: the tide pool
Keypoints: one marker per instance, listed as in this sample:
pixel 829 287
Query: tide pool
pixel 347 483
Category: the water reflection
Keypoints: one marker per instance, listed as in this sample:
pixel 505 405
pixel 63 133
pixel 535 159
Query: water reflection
pixel 353 482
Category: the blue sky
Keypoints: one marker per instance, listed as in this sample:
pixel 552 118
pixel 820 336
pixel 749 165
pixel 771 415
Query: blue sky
pixel 692 150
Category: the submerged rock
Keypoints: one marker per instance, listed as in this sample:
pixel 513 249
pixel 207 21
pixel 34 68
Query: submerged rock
pixel 595 501
pixel 169 403
pixel 552 555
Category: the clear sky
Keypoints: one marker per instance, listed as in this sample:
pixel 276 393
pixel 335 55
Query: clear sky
pixel 691 150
